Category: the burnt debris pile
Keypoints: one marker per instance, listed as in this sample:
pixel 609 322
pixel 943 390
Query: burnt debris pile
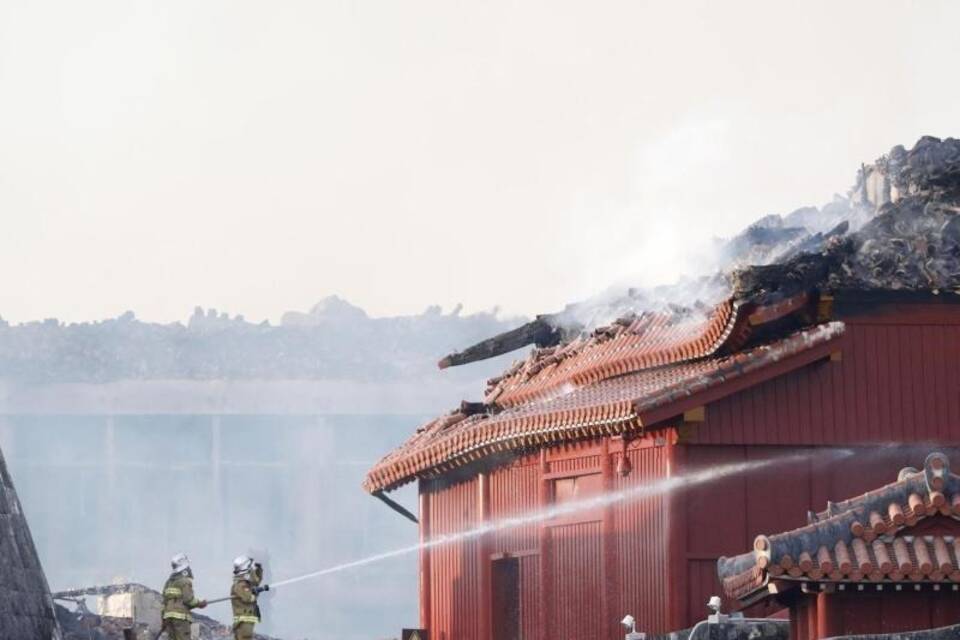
pixel 775 238
pixel 931 168
pixel 897 229
pixel 910 243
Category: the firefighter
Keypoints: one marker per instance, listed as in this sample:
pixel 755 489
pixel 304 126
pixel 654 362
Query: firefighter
pixel 179 599
pixel 247 576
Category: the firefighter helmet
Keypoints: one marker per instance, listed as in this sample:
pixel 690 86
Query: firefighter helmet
pixel 180 562
pixel 242 564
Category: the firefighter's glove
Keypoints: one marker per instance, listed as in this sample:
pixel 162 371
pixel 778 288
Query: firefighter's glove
pixel 259 590
pixel 202 604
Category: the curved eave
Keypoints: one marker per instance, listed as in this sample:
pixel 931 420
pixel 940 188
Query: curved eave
pixel 471 439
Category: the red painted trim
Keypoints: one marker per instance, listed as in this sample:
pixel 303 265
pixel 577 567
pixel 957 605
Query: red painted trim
pixel 483 549
pixel 425 595
pixel 903 314
pixel 829 622
pixel 504 555
pixel 546 590
pixel 739 383
pixel 608 542
pixel 573 473
pixel 676 520
pixel 573 450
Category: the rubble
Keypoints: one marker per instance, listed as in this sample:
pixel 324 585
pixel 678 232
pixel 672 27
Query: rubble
pixel 912 243
pixel 898 230
pixel 125 611
pixel 931 168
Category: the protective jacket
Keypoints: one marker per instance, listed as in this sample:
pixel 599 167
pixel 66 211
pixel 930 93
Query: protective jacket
pixel 178 598
pixel 242 597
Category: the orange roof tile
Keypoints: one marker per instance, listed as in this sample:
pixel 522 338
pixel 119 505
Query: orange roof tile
pixel 631 344
pixel 611 405
pixel 873 538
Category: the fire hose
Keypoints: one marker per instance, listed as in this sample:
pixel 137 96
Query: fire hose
pixel 658 487
pixel 129 634
pixel 256 591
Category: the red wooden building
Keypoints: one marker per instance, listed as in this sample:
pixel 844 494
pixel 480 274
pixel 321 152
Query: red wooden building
pixel 657 396
pixel 884 562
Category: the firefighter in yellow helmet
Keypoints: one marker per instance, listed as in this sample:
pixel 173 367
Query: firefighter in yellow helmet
pixel 179 599
pixel 247 576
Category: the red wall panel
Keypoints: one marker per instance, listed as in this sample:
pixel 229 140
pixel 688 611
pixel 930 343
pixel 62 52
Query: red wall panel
pixel 454 568
pixel 577 581
pixel 513 491
pixel 898 381
pixel 894 612
pixel 641 545
pixel 529 597
pixel 894 383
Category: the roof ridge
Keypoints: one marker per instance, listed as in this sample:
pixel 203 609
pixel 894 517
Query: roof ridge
pixel 618 349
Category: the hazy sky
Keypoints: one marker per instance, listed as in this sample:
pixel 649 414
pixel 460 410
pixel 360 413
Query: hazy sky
pixel 256 156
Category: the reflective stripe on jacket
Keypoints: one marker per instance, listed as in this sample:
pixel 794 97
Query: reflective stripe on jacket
pixel 178 598
pixel 243 599
pixel 242 619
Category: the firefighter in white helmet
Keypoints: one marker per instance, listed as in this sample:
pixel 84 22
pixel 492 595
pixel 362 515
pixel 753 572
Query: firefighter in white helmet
pixel 179 599
pixel 247 576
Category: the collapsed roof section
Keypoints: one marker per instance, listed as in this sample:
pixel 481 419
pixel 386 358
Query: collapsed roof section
pixel 899 230
pixel 631 344
pixel 903 532
pixel 624 393
pixel 578 385
pixel 910 243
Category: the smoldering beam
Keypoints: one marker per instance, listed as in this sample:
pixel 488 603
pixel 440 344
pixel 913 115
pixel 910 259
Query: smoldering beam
pixel 544 331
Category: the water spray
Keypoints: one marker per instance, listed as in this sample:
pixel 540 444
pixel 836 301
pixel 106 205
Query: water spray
pixel 658 487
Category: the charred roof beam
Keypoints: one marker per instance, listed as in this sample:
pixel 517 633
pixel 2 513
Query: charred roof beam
pixel 542 332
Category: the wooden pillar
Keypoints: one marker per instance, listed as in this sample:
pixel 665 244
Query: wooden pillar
pixel 608 537
pixel 829 622
pixel 798 619
pixel 546 573
pixel 425 594
pixel 675 504
pixel 483 549
pixel 812 625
